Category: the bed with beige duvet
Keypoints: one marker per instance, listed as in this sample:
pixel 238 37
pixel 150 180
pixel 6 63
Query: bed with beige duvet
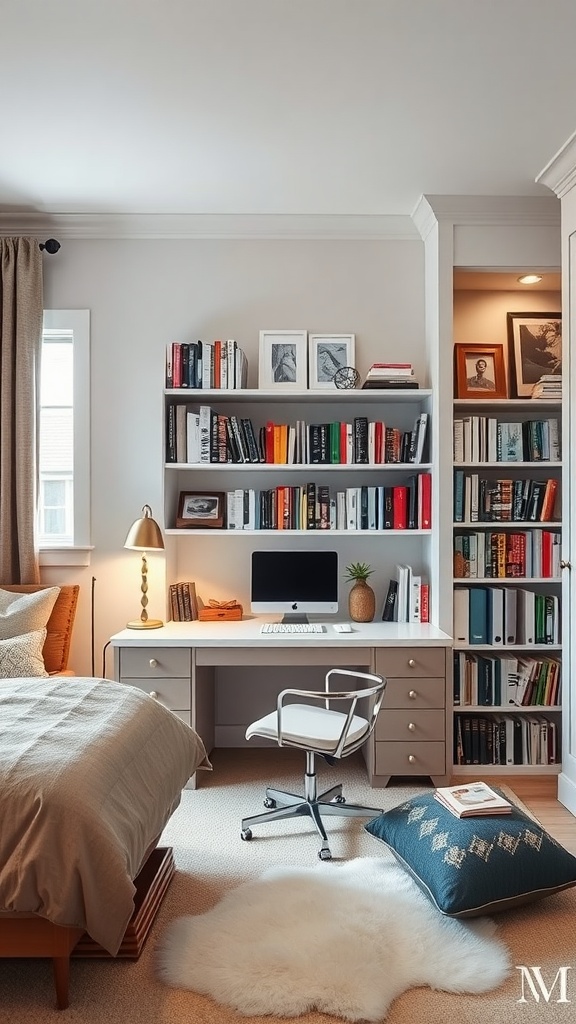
pixel 90 772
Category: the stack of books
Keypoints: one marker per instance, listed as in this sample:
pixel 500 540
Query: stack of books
pixel 549 386
pixel 390 375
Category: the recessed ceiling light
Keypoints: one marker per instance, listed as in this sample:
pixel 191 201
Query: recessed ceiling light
pixel 530 279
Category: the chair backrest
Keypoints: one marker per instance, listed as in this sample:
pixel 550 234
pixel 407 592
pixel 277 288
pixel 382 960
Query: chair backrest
pixel 59 626
pixel 373 695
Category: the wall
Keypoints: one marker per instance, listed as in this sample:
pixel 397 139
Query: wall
pixel 145 293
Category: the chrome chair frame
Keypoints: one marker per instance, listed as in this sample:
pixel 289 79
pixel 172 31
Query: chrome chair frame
pixel 283 804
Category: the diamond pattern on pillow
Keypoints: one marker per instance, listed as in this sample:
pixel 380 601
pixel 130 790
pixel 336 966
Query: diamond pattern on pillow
pixel 22 655
pixel 25 613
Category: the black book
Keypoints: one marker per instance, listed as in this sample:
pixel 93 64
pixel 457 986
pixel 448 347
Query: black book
pixel 390 602
pixel 389 385
pixel 360 439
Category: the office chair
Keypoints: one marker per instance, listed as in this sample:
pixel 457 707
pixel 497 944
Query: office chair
pixel 316 728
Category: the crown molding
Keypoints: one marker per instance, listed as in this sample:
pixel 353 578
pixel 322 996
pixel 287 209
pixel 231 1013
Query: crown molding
pixel 486 210
pixel 220 226
pixel 560 172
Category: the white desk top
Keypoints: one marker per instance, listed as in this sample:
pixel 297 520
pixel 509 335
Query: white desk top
pixel 247 634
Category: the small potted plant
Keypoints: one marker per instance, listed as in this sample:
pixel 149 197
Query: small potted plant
pixel 361 599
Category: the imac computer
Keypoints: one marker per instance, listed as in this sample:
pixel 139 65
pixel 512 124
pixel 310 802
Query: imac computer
pixel 294 583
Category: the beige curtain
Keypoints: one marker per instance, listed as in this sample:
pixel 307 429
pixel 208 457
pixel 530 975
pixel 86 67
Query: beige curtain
pixel 20 348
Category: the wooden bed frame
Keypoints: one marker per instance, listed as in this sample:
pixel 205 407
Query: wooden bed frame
pixel 26 935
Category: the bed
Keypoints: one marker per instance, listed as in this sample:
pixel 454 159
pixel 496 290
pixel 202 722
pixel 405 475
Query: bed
pixel 90 772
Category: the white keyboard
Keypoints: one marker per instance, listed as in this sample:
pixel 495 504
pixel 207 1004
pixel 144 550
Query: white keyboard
pixel 292 627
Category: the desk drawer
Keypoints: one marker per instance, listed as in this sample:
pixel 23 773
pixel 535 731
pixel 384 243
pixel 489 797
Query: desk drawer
pixel 414 693
pixel 411 661
pixel 154 662
pixel 286 654
pixel 174 694
pixel 410 758
pixel 409 725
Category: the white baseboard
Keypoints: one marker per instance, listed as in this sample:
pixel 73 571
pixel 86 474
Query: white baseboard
pixel 567 792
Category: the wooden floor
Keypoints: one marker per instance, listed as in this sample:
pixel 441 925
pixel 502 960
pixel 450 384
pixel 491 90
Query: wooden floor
pixel 538 792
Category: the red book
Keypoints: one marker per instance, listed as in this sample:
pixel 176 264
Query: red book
pixel 217 364
pixel 343 445
pixel 424 501
pixel 176 364
pixel 399 508
pixel 547 540
pixel 379 442
pixel 424 602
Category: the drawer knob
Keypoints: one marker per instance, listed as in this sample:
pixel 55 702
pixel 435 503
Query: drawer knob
pixel 154 694
pixel 412 694
pixel 153 663
pixel 411 759
pixel 411 662
pixel 411 726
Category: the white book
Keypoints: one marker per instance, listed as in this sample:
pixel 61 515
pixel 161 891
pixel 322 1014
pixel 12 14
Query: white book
pixel 231 362
pixel 462 615
pixel 207 364
pixel 192 437
pixel 205 432
pixel 403 576
pixel 224 365
pixel 414 598
pixel 492 453
pixel 421 436
pixel 351 509
pixel 458 440
pixel 371 507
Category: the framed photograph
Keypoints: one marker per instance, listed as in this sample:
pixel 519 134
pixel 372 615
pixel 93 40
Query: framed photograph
pixel 200 510
pixel 282 364
pixel 328 353
pixel 534 349
pixel 480 371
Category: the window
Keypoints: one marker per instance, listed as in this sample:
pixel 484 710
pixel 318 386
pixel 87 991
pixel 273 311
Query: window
pixel 64 478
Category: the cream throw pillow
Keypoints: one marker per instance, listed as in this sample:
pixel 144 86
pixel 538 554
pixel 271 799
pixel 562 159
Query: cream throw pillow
pixel 22 655
pixel 25 613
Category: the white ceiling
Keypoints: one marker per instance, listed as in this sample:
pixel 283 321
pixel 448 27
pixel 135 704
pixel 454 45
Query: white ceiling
pixel 305 107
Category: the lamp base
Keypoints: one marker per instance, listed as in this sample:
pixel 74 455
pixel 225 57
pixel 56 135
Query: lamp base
pixel 149 624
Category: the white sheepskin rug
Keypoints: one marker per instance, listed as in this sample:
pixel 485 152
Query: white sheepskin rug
pixel 342 939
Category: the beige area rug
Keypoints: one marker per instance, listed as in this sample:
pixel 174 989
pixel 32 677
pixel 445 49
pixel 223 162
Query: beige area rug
pixel 211 859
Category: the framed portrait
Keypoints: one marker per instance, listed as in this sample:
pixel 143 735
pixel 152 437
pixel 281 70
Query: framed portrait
pixel 328 353
pixel 282 363
pixel 480 371
pixel 534 349
pixel 200 510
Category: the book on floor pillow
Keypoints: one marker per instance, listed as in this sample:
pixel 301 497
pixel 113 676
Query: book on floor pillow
pixel 467 801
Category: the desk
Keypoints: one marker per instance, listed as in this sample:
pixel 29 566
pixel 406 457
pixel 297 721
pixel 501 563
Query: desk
pixel 413 736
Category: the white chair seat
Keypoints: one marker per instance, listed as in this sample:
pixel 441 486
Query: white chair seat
pixel 306 725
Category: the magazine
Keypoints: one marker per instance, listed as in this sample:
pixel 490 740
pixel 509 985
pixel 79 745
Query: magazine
pixel 472 799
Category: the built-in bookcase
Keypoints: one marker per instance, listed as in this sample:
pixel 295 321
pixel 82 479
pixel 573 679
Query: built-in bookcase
pixel 507 530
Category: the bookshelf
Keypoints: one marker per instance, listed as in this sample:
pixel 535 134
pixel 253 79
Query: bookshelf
pixel 507 465
pixel 376 542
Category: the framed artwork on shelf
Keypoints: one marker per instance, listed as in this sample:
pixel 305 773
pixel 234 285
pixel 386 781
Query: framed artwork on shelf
pixel 534 349
pixel 200 510
pixel 480 371
pixel 282 362
pixel 328 353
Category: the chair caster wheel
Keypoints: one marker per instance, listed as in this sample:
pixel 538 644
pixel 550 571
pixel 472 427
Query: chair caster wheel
pixel 268 802
pixel 339 799
pixel 246 834
pixel 325 854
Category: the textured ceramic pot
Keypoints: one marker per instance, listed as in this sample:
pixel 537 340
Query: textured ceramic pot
pixel 361 602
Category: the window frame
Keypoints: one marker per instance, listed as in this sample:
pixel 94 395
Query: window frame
pixel 77 553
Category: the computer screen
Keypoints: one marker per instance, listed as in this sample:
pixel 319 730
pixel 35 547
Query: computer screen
pixel 295 583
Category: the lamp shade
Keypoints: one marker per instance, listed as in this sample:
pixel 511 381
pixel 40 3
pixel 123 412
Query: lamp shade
pixel 144 534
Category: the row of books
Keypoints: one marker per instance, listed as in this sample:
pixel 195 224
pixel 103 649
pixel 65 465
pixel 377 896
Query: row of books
pixel 199 434
pixel 503 616
pixel 315 506
pixel 488 439
pixel 183 602
pixel 485 500
pixel 506 740
pixel 488 554
pixel 407 598
pixel 499 679
pixel 205 365
pixel 390 376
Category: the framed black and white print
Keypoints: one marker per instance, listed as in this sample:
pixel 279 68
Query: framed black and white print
pixel 328 353
pixel 534 349
pixel 282 363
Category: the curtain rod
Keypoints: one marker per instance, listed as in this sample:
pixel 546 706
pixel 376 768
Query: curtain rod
pixel 51 245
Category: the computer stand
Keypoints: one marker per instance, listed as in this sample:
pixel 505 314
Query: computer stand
pixel 295 617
